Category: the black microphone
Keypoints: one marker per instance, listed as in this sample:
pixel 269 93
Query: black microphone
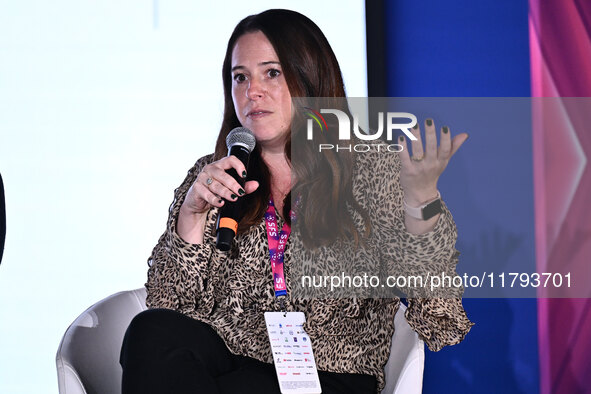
pixel 240 143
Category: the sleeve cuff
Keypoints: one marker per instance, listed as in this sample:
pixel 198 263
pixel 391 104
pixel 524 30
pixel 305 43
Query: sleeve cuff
pixel 423 245
pixel 439 322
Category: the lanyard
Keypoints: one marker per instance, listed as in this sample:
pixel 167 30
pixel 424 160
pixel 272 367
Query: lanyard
pixel 277 241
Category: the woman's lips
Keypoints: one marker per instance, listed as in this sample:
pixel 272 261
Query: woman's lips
pixel 257 114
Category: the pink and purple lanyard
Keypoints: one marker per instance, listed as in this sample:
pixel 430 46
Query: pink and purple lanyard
pixel 277 242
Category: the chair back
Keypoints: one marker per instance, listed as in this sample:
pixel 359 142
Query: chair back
pixel 404 369
pixel 88 356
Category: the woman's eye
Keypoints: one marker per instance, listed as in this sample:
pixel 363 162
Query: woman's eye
pixel 273 73
pixel 239 78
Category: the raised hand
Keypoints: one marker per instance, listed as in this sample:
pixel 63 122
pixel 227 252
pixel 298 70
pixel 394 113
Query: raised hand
pixel 420 173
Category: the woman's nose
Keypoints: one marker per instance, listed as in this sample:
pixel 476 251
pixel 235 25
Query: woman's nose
pixel 255 89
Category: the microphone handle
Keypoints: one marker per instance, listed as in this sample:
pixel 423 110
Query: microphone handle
pixel 227 223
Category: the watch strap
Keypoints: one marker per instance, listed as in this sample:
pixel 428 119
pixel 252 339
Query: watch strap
pixel 426 211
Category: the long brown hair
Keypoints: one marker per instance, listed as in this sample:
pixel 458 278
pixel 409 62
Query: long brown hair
pixel 311 69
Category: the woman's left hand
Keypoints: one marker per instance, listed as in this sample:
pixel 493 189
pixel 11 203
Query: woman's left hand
pixel 419 174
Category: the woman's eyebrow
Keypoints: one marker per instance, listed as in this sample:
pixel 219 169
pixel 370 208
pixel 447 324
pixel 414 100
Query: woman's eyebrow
pixel 260 64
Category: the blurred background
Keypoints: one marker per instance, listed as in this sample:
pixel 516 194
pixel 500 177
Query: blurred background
pixel 104 106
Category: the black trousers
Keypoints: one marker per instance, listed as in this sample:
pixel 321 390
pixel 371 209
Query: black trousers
pixel 167 352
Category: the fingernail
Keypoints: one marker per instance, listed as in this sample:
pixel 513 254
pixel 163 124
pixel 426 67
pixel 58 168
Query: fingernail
pixel 429 122
pixel 233 196
pixel 220 201
pixel 416 126
pixel 241 192
pixel 243 174
pixel 401 139
pixel 445 130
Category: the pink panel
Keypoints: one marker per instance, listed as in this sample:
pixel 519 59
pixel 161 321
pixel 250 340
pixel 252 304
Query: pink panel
pixel 560 48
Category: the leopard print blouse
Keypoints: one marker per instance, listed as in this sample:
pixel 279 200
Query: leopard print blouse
pixel 352 334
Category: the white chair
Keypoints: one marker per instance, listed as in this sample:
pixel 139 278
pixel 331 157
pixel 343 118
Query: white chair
pixel 88 356
pixel 405 366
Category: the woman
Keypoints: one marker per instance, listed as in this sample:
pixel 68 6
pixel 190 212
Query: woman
pixel 218 342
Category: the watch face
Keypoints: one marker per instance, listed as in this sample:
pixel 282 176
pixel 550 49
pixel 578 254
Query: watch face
pixel 432 209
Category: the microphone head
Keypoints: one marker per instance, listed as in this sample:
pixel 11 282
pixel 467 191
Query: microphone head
pixel 241 136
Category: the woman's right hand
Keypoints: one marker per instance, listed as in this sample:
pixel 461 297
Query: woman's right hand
pixel 211 187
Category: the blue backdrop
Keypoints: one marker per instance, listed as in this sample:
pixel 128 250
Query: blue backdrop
pixel 466 48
